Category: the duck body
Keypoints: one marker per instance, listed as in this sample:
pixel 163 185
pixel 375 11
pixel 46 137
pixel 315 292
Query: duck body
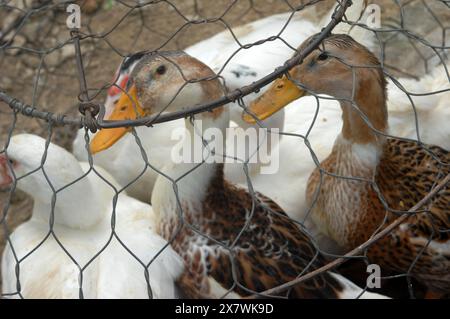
pixel 415 173
pixel 51 255
pixel 295 163
pixel 432 110
pixel 49 273
pixel 219 228
pixel 287 187
pixel 250 64
pixel 263 246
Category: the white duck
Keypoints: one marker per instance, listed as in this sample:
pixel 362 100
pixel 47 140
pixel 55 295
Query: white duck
pixel 81 229
pixel 268 248
pixel 245 67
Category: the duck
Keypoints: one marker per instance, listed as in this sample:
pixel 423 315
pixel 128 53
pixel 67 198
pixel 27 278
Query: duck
pixel 233 244
pixel 246 66
pixel 349 210
pixel 85 238
pixel 319 121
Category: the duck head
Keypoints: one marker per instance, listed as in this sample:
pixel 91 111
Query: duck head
pixel 341 68
pixel 160 82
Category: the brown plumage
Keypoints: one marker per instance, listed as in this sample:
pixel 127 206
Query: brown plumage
pixel 405 174
pixel 348 208
pixel 271 250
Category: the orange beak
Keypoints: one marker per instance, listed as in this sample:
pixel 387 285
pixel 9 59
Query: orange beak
pixel 282 92
pixel 127 108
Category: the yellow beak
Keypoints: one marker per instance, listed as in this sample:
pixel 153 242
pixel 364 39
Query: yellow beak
pixel 281 93
pixel 125 109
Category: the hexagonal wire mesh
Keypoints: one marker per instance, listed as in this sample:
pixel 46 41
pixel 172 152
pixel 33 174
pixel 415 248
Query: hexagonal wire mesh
pixel 40 56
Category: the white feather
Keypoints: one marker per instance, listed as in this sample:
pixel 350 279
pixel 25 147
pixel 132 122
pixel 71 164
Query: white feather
pixel 46 271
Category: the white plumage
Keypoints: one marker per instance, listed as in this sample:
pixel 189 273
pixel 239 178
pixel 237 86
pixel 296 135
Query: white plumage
pixel 82 224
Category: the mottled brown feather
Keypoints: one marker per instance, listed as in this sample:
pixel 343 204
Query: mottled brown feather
pixel 271 251
pixel 405 174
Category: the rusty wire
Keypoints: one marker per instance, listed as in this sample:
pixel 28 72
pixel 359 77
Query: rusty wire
pixel 92 117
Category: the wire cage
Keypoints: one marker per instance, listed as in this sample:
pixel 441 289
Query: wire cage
pixel 55 77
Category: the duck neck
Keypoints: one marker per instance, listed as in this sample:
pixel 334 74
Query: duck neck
pixel 370 98
pixel 358 148
pixel 195 175
pixel 356 153
pixel 76 206
pixel 207 140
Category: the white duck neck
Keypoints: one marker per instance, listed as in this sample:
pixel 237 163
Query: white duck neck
pixel 193 178
pixel 76 206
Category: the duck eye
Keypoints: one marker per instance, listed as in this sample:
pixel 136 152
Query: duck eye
pixel 11 161
pixel 323 56
pixel 161 69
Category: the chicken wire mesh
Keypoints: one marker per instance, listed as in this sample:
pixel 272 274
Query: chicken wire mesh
pixel 41 59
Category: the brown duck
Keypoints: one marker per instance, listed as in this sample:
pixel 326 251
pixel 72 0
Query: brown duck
pixel 350 210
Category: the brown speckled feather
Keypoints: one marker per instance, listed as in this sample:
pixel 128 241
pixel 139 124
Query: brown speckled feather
pixel 405 175
pixel 351 210
pixel 270 251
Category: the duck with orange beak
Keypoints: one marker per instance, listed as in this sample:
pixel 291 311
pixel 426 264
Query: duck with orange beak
pixel 348 209
pixel 127 108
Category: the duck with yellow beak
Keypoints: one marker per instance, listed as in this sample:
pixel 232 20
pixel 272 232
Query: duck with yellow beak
pixel 210 222
pixel 349 210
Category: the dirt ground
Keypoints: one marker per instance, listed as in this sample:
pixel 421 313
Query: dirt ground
pixel 153 27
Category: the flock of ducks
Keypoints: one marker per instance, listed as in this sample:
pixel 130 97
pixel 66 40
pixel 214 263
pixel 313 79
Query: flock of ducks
pixel 122 228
